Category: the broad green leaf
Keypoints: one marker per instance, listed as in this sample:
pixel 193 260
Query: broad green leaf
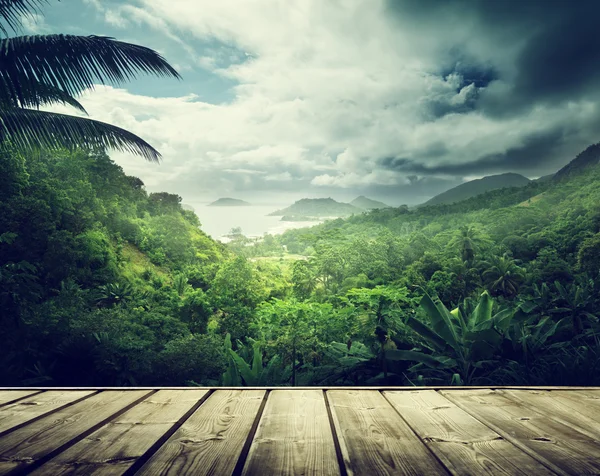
pixel 441 321
pixel 434 339
pixel 483 311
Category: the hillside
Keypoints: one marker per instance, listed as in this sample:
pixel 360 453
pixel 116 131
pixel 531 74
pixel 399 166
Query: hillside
pixel 229 202
pixel 367 203
pixel 590 157
pixel 477 187
pixel 317 207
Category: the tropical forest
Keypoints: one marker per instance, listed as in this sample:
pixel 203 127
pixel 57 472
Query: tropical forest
pixel 107 282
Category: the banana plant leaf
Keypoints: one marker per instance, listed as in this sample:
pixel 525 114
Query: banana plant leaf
pixel 441 321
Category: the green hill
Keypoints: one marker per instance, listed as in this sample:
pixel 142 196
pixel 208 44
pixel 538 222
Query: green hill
pixel 318 208
pixel 477 187
pixel 590 157
pixel 229 202
pixel 367 203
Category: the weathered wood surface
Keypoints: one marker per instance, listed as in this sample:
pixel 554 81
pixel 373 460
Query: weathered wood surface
pixel 115 447
pixel 30 444
pixel 36 406
pixel 536 431
pixel 211 440
pixel 9 396
pixel 374 439
pixel 461 442
pixel 294 437
pixel 354 431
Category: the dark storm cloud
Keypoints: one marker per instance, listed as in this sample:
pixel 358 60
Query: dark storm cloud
pixel 555 42
pixel 542 151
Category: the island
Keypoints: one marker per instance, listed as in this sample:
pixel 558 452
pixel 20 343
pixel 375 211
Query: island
pixel 229 202
pixel 309 209
pixel 367 203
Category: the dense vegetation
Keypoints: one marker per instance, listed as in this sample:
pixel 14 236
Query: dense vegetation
pixel 102 283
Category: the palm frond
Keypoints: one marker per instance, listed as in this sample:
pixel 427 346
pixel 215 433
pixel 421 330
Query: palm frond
pixel 12 11
pixel 39 95
pixel 31 130
pixel 74 63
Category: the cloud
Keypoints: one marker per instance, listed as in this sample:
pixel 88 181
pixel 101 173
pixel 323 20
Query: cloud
pixel 361 95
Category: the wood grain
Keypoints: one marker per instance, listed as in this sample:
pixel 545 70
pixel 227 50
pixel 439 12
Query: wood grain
pixel 9 396
pixel 33 407
pixel 574 409
pixel 559 446
pixel 29 444
pixel 115 447
pixel 211 440
pixel 374 439
pixel 293 437
pixel 462 443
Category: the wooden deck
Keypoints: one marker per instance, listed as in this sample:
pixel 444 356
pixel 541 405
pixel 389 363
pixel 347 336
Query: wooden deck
pixel 301 431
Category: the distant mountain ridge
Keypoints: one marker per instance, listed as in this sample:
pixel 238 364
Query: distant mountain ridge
pixel 318 208
pixel 367 203
pixel 477 187
pixel 590 157
pixel 229 202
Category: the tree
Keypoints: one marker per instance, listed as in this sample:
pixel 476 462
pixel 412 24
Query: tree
pixel 380 311
pixel 503 276
pixel 41 70
pixel 468 240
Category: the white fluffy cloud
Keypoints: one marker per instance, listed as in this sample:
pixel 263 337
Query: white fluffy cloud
pixel 324 92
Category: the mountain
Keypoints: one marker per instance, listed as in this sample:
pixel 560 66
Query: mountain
pixel 317 207
pixel 367 204
pixel 590 157
pixel 477 187
pixel 229 202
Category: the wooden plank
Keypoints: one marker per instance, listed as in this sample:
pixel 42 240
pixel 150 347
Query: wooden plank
pixel 211 440
pixel 33 407
pixel 394 388
pixel 115 447
pixel 560 447
pixel 293 437
pixel 28 445
pixel 374 439
pixel 9 396
pixel 575 409
pixel 461 442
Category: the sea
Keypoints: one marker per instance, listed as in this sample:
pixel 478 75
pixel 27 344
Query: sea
pixel 253 220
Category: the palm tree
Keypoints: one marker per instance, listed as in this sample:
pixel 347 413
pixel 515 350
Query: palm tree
pixel 503 276
pixel 468 240
pixel 45 69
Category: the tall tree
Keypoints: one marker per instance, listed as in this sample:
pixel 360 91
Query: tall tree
pixel 41 70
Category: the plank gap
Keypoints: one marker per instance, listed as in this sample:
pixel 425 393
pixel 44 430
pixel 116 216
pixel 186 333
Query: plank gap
pixel 44 459
pixel 507 436
pixel 18 399
pixel 239 466
pixel 423 442
pixel 142 460
pixel 43 415
pixel 336 441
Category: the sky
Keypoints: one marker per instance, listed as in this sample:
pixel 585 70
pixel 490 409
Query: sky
pixel 396 100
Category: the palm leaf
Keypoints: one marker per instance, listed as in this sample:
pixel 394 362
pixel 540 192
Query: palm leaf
pixel 31 130
pixel 12 12
pixel 73 63
pixel 39 95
